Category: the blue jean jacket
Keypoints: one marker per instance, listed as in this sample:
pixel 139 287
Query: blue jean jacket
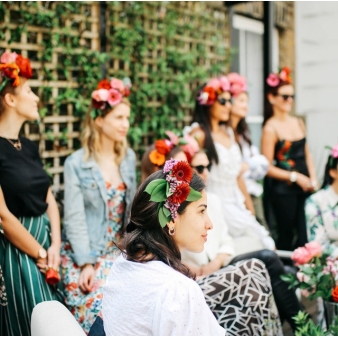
pixel 85 207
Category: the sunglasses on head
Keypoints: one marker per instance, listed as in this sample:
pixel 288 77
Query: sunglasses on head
pixel 200 168
pixel 286 97
pixel 223 101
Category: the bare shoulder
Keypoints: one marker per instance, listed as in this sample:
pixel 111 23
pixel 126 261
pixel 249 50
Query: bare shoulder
pixel 269 128
pixel 199 135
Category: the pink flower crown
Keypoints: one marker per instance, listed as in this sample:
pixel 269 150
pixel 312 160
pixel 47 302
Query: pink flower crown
pixel 172 191
pixel 274 80
pixel 110 93
pixel 213 88
pixel 333 154
pixel 237 83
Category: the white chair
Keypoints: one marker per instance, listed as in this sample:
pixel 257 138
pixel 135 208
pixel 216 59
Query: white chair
pixel 54 319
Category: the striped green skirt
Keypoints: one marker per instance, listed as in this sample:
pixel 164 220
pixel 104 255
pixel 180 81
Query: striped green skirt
pixel 25 284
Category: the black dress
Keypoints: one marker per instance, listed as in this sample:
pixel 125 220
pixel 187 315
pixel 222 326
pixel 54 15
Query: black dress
pixel 287 199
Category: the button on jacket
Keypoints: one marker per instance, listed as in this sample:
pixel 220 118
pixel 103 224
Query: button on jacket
pixel 86 212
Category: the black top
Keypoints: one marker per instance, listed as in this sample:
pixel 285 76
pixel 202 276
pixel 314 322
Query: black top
pixel 290 156
pixel 22 178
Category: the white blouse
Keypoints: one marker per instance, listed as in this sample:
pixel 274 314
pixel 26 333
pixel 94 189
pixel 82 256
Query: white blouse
pixel 152 299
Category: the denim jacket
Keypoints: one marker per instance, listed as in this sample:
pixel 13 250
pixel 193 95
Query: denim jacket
pixel 85 210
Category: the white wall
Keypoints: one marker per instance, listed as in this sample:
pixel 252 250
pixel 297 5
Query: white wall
pixel 316 39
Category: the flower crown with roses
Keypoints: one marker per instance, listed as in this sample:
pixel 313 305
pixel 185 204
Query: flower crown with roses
pixel 237 83
pixel 163 147
pixel 109 94
pixel 333 155
pixel 214 87
pixel 172 191
pixel 274 79
pixel 13 65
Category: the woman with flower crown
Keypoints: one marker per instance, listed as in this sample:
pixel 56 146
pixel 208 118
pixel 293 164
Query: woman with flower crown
pixel 149 291
pixel 100 183
pixel 30 221
pixel 255 165
pixel 291 174
pixel 321 208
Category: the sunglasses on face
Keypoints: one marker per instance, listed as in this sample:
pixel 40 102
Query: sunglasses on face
pixel 222 101
pixel 286 97
pixel 200 168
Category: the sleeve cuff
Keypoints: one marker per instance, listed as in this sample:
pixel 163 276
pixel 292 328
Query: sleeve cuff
pixel 82 259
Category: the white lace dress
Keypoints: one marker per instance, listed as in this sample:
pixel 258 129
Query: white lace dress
pixel 248 234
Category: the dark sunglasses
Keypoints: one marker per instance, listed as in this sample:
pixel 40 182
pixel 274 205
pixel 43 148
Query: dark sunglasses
pixel 224 101
pixel 286 97
pixel 200 168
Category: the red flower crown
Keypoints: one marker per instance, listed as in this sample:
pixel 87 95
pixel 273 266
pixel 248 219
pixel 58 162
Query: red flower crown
pixel 212 89
pixel 13 65
pixel 274 79
pixel 110 93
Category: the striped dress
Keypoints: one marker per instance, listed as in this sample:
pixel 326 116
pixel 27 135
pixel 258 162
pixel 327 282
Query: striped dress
pixel 25 284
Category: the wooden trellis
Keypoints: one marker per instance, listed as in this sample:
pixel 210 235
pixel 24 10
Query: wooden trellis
pixel 201 22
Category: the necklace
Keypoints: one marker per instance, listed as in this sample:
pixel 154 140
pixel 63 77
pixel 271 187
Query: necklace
pixel 16 145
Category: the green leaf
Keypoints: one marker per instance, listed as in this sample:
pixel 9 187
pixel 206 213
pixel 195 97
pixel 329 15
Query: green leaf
pixel 162 217
pixel 193 195
pixel 152 185
pixel 166 212
pixel 159 193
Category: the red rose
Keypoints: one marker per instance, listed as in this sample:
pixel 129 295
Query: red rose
pixel 104 84
pixel 335 294
pixel 181 193
pixel 25 67
pixel 52 276
pixel 212 94
pixel 163 146
pixel 182 171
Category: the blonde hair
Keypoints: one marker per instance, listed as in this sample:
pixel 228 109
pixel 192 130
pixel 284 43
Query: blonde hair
pixel 90 137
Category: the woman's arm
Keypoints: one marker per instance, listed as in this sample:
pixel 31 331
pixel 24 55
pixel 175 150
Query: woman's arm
pixel 17 234
pixel 54 218
pixel 215 264
pixel 248 201
pixel 311 167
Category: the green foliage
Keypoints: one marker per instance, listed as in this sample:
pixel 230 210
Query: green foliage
pixel 306 326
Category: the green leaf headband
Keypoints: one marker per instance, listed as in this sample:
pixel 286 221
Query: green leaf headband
pixel 172 191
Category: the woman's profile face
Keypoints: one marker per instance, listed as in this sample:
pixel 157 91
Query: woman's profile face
pixel 191 228
pixel 219 111
pixel 334 175
pixel 283 101
pixel 115 124
pixel 240 105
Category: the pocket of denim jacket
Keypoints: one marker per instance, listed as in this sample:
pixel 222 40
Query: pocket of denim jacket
pixel 91 192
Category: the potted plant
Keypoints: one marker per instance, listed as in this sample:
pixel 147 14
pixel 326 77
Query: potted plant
pixel 317 276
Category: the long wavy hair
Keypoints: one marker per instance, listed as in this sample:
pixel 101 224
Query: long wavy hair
pixel 202 117
pixel 332 163
pixel 268 108
pixel 90 137
pixel 146 240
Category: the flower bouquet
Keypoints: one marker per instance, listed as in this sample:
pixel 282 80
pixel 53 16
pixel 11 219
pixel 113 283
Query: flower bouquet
pixel 318 272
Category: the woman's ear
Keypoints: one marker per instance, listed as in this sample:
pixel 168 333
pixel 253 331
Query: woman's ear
pixel 99 121
pixel 9 100
pixel 271 98
pixel 333 173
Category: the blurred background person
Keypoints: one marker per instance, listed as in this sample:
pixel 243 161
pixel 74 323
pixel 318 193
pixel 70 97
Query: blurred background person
pixel 100 182
pixel 291 172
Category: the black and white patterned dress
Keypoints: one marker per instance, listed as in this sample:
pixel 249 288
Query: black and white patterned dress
pixel 240 296
pixel 3 295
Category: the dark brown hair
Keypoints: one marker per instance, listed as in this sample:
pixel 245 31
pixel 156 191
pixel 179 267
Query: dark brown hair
pixel 268 109
pixel 148 241
pixel 332 163
pixel 202 117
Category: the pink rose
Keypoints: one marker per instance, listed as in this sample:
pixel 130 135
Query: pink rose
pixel 272 80
pixel 301 256
pixel 192 147
pixel 302 277
pixel 283 75
pixel 314 248
pixel 214 83
pixel 334 151
pixel 173 137
pixel 237 83
pixel 100 95
pixel 117 84
pixel 8 57
pixel 203 98
pixel 225 83
pixel 114 97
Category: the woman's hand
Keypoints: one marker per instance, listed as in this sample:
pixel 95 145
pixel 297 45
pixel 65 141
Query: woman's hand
pixel 195 269
pixel 53 255
pixel 87 276
pixel 244 168
pixel 42 264
pixel 304 182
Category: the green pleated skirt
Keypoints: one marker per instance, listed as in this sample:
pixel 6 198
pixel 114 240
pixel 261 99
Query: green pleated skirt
pixel 25 284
